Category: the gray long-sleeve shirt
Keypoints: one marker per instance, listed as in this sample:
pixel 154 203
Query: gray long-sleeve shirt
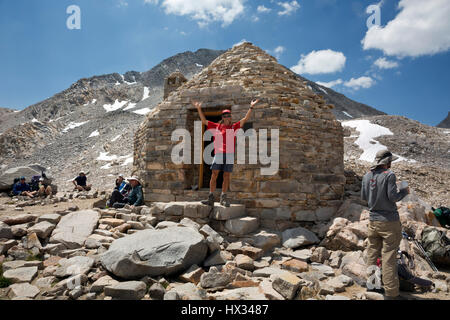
pixel 379 189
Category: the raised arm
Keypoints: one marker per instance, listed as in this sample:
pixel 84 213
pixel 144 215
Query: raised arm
pixel 249 112
pixel 198 105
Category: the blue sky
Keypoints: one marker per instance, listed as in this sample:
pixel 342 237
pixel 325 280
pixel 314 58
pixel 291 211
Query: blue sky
pixel 400 67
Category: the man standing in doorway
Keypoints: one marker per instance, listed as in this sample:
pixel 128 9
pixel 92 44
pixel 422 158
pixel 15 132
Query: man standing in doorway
pixel 224 154
pixel 379 189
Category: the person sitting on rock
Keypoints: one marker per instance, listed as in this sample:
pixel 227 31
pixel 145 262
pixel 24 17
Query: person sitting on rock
pixel 80 182
pixel 120 192
pixel 224 155
pixel 135 197
pixel 44 188
pixel 22 188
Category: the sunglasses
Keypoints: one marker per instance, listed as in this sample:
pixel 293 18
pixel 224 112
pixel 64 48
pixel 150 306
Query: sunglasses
pixel 226 116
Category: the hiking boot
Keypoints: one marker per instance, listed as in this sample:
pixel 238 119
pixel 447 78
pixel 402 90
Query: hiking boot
pixel 224 200
pixel 209 201
pixel 381 290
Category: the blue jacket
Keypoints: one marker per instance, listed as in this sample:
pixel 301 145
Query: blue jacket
pixel 19 188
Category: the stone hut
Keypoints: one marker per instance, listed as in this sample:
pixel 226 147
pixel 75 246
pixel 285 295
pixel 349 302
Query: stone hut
pixel 172 82
pixel 309 185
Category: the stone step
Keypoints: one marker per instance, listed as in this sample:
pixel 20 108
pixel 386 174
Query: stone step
pixel 242 226
pixel 222 213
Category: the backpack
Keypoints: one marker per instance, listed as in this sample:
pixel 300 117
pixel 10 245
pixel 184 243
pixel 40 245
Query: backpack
pixel 436 245
pixel 442 214
pixel 34 184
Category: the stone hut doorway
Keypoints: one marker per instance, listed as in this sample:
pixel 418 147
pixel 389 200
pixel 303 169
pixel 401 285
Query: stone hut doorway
pixel 205 171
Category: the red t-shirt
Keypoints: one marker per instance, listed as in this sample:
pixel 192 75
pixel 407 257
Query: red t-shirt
pixel 221 129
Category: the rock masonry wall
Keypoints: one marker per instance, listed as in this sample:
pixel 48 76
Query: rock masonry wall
pixel 309 185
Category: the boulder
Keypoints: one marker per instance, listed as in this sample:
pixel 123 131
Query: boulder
pixel 5 231
pixel 157 292
pixel 73 266
pixel 298 237
pixel 193 274
pixel 295 265
pixel 74 228
pixel 251 293
pixel 227 213
pixel 214 279
pixel 320 255
pixel 5 245
pixel 217 258
pixel 287 285
pixel 242 226
pixel 266 288
pixel 50 217
pixel 187 291
pixel 129 290
pixel 19 219
pixel 265 240
pixel 244 262
pixel 42 229
pixel 24 274
pixel 303 254
pixel 22 290
pixel 7 177
pixel 155 252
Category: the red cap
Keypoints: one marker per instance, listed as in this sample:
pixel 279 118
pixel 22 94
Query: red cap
pixel 226 111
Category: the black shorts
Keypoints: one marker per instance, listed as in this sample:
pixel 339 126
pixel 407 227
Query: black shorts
pixel 223 162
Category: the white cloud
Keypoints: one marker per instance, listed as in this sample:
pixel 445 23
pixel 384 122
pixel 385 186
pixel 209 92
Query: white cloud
pixel 263 9
pixel 420 28
pixel 320 62
pixel 330 84
pixel 278 51
pixel 122 4
pixel 358 83
pixel 383 63
pixel 289 7
pixel 204 12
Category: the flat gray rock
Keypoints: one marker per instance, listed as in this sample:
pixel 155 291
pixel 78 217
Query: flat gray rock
pixel 73 266
pixel 50 217
pixel 155 252
pixel 25 274
pixel 23 290
pixel 129 290
pixel 298 237
pixel 226 213
pixel 42 229
pixel 74 228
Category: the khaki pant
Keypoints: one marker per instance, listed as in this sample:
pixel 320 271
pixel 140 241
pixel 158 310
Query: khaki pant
pixel 384 241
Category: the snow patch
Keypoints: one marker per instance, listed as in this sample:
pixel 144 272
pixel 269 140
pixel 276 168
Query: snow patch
pixel 94 134
pixel 73 125
pixel 143 111
pixel 104 157
pixel 106 166
pixel 368 132
pixel 116 138
pixel 116 106
pixel 324 91
pixel 128 161
pixel 199 65
pixel 131 105
pixel 146 93
pixel 347 114
pixel 35 120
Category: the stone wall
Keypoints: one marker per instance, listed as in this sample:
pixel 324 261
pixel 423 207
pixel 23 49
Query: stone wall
pixel 309 185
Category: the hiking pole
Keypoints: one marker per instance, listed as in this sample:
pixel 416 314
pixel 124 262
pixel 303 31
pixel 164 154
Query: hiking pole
pixel 422 250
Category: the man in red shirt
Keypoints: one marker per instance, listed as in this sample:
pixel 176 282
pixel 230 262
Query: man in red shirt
pixel 224 152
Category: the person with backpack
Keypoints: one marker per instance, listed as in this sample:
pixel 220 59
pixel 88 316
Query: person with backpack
pixel 120 192
pixel 224 153
pixel 379 189
pixel 22 188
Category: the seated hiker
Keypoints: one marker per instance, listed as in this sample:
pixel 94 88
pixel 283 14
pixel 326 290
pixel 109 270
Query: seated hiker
pixel 135 197
pixel 22 188
pixel 44 188
pixel 120 192
pixel 224 154
pixel 80 182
